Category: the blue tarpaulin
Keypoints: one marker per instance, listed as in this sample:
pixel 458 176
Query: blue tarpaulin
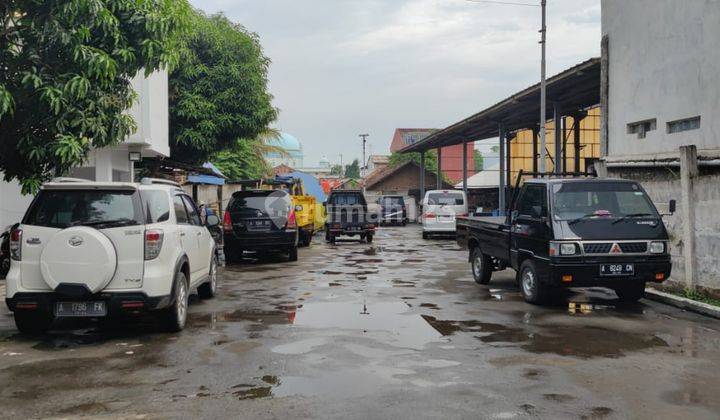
pixel 311 184
pixel 208 179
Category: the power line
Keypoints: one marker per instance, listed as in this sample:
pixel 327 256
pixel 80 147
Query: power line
pixel 509 3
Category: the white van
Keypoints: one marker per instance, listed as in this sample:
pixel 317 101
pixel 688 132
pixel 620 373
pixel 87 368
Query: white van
pixel 440 208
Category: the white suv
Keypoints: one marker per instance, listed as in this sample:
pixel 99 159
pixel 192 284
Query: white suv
pixel 99 250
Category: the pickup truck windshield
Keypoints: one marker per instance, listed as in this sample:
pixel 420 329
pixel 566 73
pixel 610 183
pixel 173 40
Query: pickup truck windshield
pixel 578 200
pixel 64 208
pixel 346 200
pixel 446 199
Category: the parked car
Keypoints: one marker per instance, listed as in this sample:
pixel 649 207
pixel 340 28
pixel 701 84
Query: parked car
pixel 440 208
pixel 347 214
pixel 572 233
pixel 260 221
pixel 108 249
pixel 393 209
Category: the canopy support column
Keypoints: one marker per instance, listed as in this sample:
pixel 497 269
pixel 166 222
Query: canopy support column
pixel 576 139
pixel 465 167
pixel 501 172
pixel 422 176
pixel 439 168
pixel 535 149
pixel 558 138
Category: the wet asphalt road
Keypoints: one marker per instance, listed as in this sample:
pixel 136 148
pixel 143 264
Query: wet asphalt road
pixel 395 329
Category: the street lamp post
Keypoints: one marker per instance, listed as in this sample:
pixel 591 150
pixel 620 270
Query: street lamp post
pixel 363 166
pixel 543 90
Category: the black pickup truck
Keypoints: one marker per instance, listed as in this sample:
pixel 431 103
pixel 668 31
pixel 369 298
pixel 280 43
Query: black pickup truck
pixel 347 214
pixel 572 232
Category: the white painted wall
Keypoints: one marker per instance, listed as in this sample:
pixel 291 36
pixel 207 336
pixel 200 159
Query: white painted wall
pixel 151 114
pixel 664 64
pixel 12 203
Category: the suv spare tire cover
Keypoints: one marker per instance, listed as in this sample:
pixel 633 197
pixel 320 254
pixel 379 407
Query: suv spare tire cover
pixel 79 255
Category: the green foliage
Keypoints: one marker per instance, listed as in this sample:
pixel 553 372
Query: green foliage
pixel 698 296
pixel 479 160
pixel 65 76
pixel 218 93
pixel 242 161
pixel 430 159
pixel 353 170
pixel 336 170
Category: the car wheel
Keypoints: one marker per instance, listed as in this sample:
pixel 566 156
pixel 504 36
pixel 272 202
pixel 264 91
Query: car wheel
pixel 32 322
pixel 309 238
pixel 327 236
pixel 631 292
pixel 175 316
pixel 293 254
pixel 332 239
pixel 369 238
pixel 481 266
pixel 208 289
pixel 426 235
pixel 531 286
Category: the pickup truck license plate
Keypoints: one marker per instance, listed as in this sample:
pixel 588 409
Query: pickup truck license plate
pixel 80 309
pixel 617 269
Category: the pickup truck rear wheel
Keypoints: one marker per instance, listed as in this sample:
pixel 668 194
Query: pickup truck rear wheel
pixel 532 289
pixel 631 292
pixel 369 238
pixel 481 267
pixel 293 254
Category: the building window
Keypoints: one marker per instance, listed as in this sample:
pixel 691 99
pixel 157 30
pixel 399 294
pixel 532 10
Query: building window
pixel 642 127
pixel 683 125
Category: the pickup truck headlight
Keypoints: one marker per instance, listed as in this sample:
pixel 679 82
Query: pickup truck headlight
pixel 657 247
pixel 563 248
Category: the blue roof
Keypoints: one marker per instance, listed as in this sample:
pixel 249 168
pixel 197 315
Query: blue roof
pixel 208 179
pixel 311 184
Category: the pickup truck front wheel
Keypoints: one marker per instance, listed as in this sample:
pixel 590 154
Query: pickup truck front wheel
pixel 631 292
pixel 531 287
pixel 481 266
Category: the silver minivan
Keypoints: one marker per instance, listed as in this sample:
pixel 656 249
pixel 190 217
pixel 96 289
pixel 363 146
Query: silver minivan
pixel 440 209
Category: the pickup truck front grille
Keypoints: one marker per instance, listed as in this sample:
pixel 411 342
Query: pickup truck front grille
pixel 597 248
pixel 633 247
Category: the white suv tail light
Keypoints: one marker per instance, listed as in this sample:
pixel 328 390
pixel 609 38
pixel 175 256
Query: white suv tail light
pixel 153 243
pixel 16 244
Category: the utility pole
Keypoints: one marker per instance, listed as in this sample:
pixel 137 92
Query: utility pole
pixel 543 88
pixel 363 166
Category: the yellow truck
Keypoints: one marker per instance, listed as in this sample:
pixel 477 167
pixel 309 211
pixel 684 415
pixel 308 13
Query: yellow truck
pixel 306 205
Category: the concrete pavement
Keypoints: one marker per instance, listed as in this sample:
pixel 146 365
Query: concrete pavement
pixel 394 329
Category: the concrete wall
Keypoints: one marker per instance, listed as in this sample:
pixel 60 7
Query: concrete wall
pixel 664 63
pixel 151 115
pixel 663 185
pixel 12 203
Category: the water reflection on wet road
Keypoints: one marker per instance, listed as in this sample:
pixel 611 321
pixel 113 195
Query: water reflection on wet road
pixel 397 328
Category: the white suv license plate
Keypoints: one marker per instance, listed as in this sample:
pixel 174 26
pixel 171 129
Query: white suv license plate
pixel 80 309
pixel 617 270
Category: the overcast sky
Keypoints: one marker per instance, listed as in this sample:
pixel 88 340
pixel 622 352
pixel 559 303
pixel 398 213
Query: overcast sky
pixel 345 67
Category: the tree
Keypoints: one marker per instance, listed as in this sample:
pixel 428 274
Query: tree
pixel 353 170
pixel 479 160
pixel 336 170
pixel 218 93
pixel 400 158
pixel 65 77
pixel 246 158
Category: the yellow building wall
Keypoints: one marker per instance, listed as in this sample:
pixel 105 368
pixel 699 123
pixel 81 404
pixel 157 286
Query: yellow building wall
pixel 521 147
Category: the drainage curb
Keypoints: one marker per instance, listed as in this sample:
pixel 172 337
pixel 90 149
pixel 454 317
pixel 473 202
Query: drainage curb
pixel 683 303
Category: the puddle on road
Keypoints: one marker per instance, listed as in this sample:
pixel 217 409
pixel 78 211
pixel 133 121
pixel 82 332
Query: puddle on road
pixel 388 322
pixel 575 340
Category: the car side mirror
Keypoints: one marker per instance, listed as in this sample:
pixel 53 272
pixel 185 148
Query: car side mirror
pixel 537 211
pixel 212 220
pixel 672 206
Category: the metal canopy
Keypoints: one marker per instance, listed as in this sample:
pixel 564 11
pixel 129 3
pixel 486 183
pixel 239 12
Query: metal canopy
pixel 573 90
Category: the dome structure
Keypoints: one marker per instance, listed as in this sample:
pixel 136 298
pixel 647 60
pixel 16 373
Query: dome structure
pixel 292 147
pixel 324 162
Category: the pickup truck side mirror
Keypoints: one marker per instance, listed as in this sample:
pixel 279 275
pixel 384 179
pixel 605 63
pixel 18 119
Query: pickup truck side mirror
pixel 672 206
pixel 537 211
pixel 212 220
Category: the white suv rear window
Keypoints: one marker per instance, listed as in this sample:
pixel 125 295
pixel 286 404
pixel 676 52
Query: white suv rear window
pixel 65 208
